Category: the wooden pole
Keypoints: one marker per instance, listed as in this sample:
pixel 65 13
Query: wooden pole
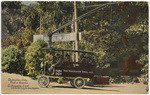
pixel 76 31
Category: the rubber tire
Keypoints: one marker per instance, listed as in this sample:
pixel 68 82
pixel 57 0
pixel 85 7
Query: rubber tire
pixel 80 85
pixel 43 84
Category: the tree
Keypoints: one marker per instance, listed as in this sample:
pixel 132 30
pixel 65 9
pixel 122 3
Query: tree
pixel 13 60
pixel 12 22
pixel 22 40
pixel 34 56
pixel 11 4
pixel 30 17
pixel 11 17
pixel 139 32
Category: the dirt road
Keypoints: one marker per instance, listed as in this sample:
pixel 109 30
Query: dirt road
pixel 12 83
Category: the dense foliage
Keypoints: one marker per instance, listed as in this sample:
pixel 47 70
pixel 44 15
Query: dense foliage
pixel 35 56
pixel 13 60
pixel 115 33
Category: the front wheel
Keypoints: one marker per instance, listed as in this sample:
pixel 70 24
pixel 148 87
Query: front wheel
pixel 79 82
pixel 43 81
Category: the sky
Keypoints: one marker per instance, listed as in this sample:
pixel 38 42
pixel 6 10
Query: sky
pixel 28 2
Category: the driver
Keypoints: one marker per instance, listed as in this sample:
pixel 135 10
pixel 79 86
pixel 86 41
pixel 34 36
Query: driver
pixel 69 61
pixel 60 60
pixel 59 63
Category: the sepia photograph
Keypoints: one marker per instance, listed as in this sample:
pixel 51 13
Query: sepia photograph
pixel 74 47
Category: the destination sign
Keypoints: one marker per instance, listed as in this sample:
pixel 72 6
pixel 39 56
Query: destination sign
pixel 76 71
pixel 59 72
pixel 57 37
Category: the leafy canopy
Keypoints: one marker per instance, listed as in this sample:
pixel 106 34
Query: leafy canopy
pixel 12 60
pixel 34 56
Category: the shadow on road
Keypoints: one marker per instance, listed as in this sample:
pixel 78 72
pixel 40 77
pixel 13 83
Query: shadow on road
pixel 100 89
pixel 84 88
pixel 105 86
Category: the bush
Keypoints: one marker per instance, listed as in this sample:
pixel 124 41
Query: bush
pixel 114 72
pixel 13 60
pixel 34 56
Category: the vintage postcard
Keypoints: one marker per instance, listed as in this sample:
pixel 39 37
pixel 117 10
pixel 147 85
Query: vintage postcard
pixel 74 47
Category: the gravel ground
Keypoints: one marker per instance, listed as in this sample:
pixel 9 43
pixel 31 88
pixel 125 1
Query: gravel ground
pixel 13 83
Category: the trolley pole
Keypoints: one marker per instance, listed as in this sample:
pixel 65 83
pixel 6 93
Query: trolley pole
pixel 76 31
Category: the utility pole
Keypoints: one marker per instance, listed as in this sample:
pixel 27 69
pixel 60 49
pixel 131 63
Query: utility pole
pixel 73 42
pixel 76 31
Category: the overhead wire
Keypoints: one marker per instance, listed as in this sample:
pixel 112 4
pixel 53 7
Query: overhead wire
pixel 80 17
pixel 90 6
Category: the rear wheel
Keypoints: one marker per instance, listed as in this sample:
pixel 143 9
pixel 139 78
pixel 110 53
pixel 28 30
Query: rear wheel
pixel 79 82
pixel 43 81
